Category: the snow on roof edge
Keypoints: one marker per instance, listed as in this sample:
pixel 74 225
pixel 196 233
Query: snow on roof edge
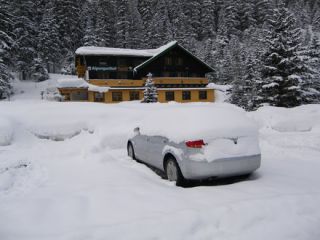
pixel 160 50
pixel 91 50
pixel 80 83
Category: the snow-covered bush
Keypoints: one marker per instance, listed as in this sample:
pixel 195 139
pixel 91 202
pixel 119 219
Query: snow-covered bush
pixel 53 94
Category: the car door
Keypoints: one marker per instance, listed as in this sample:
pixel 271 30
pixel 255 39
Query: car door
pixel 154 151
pixel 140 146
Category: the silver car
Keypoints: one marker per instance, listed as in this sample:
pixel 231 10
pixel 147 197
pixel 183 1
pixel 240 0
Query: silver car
pixel 187 159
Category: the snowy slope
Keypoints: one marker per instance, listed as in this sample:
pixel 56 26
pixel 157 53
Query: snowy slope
pixel 65 175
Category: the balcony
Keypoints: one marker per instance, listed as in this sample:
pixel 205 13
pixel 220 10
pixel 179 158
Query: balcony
pixel 157 80
pixel 117 82
pixel 179 80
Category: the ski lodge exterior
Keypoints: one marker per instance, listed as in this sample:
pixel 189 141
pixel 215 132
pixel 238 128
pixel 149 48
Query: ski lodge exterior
pixel 113 75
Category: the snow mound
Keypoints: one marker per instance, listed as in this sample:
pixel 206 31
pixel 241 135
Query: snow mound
pixel 58 131
pixel 297 125
pixel 299 119
pixel 194 122
pixel 6 132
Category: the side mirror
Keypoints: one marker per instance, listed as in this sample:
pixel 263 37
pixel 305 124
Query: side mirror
pixel 136 131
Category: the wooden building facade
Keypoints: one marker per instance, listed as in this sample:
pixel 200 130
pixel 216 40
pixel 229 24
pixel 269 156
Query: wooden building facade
pixel 121 73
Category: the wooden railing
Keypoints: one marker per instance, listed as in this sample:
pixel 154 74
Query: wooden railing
pixel 140 83
pixel 117 82
pixel 179 80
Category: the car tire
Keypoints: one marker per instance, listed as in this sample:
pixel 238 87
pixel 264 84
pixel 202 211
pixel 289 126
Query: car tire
pixel 130 151
pixel 173 172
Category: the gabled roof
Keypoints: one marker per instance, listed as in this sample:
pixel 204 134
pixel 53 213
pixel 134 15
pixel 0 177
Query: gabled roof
pixel 152 54
pixel 165 49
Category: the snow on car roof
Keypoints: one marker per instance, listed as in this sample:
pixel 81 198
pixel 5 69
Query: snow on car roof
pixel 90 50
pixel 199 122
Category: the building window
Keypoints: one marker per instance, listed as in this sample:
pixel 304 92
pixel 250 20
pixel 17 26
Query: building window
pixel 180 61
pixel 98 97
pixel 134 96
pixel 170 96
pixel 122 62
pixel 122 75
pixel 166 74
pixel 186 95
pixel 116 96
pixel 203 95
pixel 168 61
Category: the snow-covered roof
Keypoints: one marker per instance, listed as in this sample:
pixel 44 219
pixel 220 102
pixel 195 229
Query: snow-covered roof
pixel 122 51
pixel 72 83
pixel 163 49
pixel 80 83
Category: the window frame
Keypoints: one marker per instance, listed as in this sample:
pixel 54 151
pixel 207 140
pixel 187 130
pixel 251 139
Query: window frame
pixel 134 95
pixel 98 99
pixel 116 98
pixel 172 98
pixel 201 97
pixel 186 95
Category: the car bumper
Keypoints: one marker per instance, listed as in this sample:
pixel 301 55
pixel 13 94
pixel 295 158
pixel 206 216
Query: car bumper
pixel 221 167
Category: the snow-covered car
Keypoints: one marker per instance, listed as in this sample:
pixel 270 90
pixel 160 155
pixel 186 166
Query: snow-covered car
pixel 198 143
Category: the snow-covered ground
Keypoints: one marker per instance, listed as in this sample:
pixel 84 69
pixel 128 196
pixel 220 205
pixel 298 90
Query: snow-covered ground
pixel 64 175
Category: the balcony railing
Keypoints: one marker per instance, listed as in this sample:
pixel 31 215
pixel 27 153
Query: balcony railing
pixel 179 80
pixel 158 81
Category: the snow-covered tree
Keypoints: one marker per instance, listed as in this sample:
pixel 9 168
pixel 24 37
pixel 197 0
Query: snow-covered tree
pixel 105 29
pixel 38 70
pixel 311 83
pixel 122 24
pixel 5 44
pixel 244 89
pixel 25 33
pixel 150 92
pixel 48 39
pixel 283 68
pixel 160 29
pixel 68 15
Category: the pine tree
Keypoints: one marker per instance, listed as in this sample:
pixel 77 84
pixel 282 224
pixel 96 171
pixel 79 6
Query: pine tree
pixel 6 43
pixel 48 39
pixel 178 22
pixel 283 68
pixel 89 15
pixel 67 13
pixel 105 30
pixel 122 23
pixel 208 27
pixel 261 9
pixel 160 29
pixel 150 92
pixel 311 83
pixel 192 10
pixel 135 39
pixel 38 70
pixel 244 90
pixel 25 33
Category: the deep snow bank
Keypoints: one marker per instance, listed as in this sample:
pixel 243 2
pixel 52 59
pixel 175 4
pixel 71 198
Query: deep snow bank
pixel 6 132
pixel 87 188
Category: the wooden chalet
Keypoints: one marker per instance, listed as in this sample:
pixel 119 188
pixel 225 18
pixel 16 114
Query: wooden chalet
pixel 113 75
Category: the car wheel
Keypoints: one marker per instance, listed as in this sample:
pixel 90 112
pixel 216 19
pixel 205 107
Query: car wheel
pixel 131 151
pixel 173 172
